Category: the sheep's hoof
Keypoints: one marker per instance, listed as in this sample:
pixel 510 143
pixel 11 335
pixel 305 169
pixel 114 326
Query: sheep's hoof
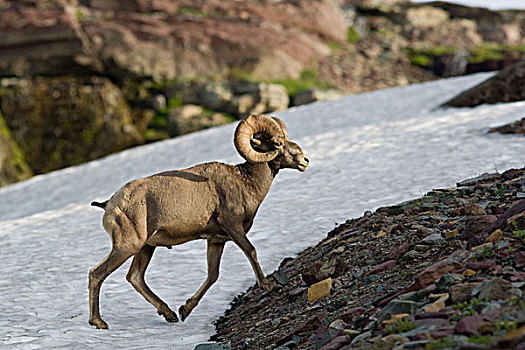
pixel 183 313
pixel 267 285
pixel 99 323
pixel 169 315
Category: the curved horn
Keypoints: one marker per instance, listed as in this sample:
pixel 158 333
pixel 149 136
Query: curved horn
pixel 283 127
pixel 246 129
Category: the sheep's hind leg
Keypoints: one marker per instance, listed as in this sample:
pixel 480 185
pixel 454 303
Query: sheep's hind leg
pixel 97 275
pixel 136 278
pixel 214 258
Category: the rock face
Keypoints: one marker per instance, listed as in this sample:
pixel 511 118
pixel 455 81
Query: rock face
pixel 13 167
pixel 506 86
pixel 165 39
pixel 62 121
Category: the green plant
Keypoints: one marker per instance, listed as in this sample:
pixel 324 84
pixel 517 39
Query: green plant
pixel 308 78
pixel 469 303
pixel 400 326
pixel 518 233
pixel 352 36
pixel 441 343
pixel 81 16
pixel 421 60
pixel 484 340
pixel 499 189
pixel 506 326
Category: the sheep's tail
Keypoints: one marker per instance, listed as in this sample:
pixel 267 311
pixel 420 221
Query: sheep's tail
pixel 99 204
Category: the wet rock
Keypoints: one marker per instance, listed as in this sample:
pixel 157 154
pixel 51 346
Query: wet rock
pixel 319 290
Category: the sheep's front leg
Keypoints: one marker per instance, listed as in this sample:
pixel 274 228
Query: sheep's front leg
pixel 237 234
pixel 214 258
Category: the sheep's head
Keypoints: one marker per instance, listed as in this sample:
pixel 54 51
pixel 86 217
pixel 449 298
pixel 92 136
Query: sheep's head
pixel 260 138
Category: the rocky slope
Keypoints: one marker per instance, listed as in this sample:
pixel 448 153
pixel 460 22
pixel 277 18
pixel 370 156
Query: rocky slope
pixel 441 271
pixel 178 66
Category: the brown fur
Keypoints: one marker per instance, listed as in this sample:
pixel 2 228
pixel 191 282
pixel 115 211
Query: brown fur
pixel 211 201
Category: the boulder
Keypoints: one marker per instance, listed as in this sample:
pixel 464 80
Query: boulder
pixel 189 118
pixel 315 95
pixel 507 86
pixel 63 121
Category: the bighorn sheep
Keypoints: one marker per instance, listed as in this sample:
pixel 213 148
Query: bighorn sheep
pixel 212 201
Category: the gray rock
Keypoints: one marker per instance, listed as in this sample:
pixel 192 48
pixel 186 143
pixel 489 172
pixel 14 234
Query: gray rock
pixel 361 337
pixel 212 346
pixel 215 96
pixel 315 95
pixel 434 238
pixel 506 86
pixel 189 118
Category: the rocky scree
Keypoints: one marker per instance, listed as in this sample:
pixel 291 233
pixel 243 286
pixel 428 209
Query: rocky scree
pixel 441 271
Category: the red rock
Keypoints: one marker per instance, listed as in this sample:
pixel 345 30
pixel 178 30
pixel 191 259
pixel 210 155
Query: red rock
pixel 426 315
pixel 515 276
pixel 382 267
pixel 519 259
pixel 442 332
pixel 481 265
pixel 468 325
pixel 336 343
pixel 351 313
pixel 397 251
pixel 430 274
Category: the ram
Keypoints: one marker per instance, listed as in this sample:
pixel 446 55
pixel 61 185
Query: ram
pixel 212 201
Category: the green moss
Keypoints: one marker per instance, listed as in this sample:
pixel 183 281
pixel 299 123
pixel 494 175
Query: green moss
pixel 352 36
pixel 334 45
pixel 243 75
pixel 21 170
pixel 308 78
pixel 421 60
